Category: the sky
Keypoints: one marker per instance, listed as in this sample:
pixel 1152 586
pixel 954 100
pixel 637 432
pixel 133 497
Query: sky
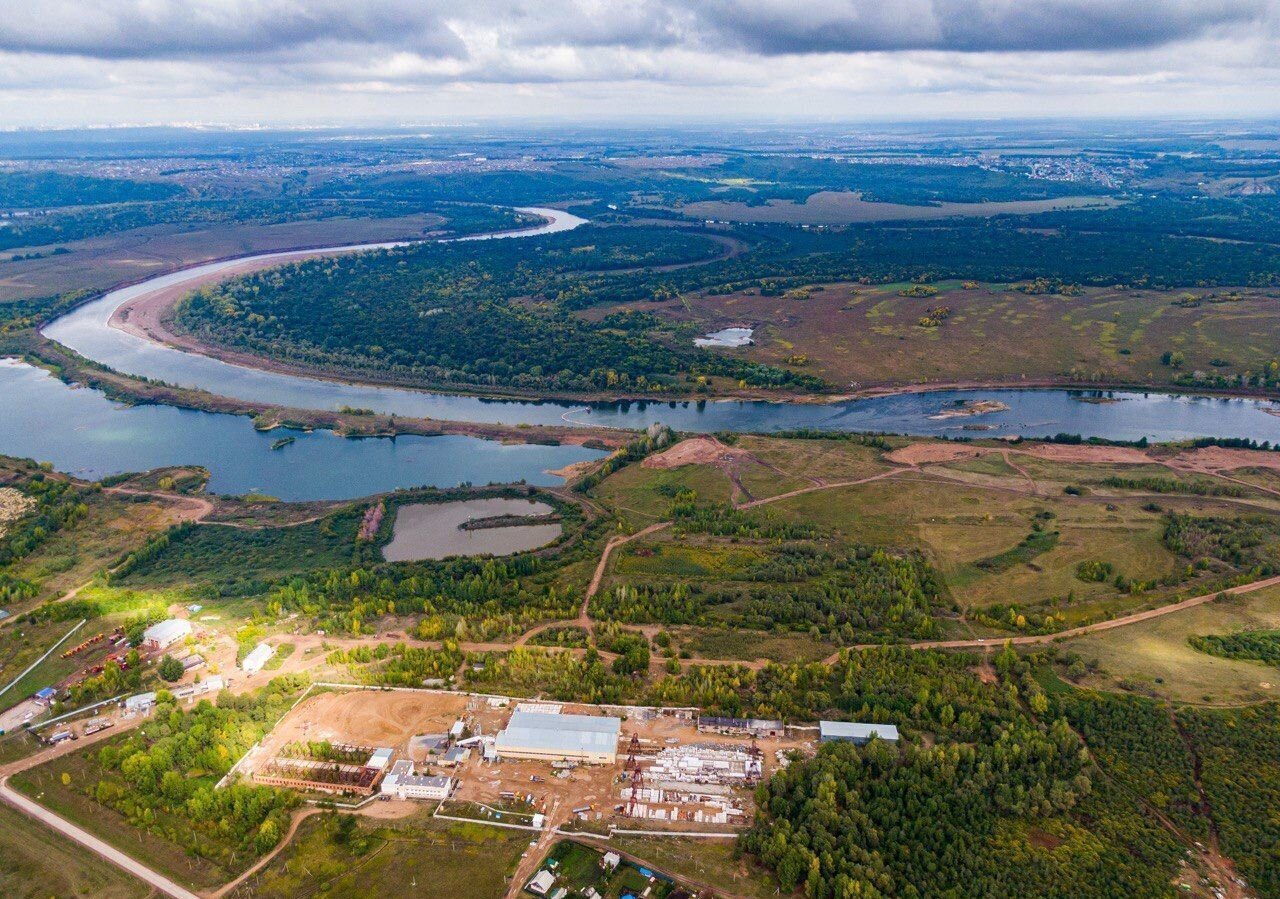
pixel 368 62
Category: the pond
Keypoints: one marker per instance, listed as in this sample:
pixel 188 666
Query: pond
pixel 726 337
pixel 432 530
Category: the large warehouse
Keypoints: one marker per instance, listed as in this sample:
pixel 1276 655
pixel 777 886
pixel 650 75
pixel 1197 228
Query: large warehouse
pixel 555 737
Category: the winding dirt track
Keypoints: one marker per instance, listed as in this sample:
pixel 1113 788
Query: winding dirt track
pixel 1028 640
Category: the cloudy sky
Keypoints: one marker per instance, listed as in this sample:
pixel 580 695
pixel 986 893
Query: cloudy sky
pixel 104 62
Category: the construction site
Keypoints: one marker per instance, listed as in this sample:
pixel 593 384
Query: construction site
pixel 501 759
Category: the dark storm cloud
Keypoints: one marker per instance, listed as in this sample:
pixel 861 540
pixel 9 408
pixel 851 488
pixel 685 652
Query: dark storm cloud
pixel 774 27
pixel 178 29
pixel 436 29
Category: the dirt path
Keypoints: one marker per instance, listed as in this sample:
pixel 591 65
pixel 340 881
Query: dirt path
pixel 532 858
pixel 298 817
pixel 584 620
pixel 1031 639
pixel 834 485
pixel 198 507
pixel 1008 460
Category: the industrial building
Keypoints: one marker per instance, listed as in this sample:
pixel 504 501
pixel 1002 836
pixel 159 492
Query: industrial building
pixel 255 660
pixel 853 732
pixel 166 633
pixel 402 783
pixel 556 737
pixel 741 727
pixel 140 703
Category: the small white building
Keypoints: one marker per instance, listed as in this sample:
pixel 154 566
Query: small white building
pixel 542 882
pixel 402 783
pixel 166 633
pixel 380 758
pixel 140 703
pixel 611 860
pixel 255 660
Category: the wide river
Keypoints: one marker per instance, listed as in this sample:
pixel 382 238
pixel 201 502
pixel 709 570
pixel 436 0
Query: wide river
pixel 81 431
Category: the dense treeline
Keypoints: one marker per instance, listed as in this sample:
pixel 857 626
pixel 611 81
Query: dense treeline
pixel 1250 544
pixel 162 777
pixel 399 664
pixel 62 226
pixel 1136 742
pixel 1005 803
pixel 1240 774
pixel 1255 646
pixel 40 189
pixel 446 314
pixel 1172 485
pixel 852 594
pixel 58 505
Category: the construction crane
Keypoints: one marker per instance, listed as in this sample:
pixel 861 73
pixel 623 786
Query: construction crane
pixel 634 772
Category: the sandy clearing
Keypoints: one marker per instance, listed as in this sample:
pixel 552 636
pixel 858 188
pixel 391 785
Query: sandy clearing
pixel 927 453
pixel 1221 459
pixel 365 718
pixel 695 451
pixel 1102 455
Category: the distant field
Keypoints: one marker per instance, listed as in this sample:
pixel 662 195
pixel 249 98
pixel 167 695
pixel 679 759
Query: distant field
pixel 847 207
pixel 102 261
pixel 871 335
pixel 36 863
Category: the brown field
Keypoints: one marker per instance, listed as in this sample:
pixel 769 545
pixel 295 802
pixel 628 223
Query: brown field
pixel 859 336
pixel 367 718
pixel 831 207
pixel 128 256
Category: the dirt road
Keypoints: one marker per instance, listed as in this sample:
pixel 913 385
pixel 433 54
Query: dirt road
pixel 1031 639
pixel 89 841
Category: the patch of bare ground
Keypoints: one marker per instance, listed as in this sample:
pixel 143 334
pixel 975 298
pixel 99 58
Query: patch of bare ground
pixel 695 451
pixel 933 453
pixel 1217 458
pixel 1098 455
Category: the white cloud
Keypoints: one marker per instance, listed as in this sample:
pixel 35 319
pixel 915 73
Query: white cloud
pixel 81 61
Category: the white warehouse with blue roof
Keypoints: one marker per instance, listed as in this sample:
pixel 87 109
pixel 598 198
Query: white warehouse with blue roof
pixel 556 737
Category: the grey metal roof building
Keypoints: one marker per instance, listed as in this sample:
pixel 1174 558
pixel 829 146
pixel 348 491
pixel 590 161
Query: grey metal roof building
pixel 854 732
pixel 538 735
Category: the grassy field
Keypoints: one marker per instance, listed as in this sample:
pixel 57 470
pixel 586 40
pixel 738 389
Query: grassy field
pixel 871 335
pixel 711 643
pixel 961 526
pixel 704 861
pixel 36 863
pixel 643 495
pixel 1155 656
pixel 44 784
pixel 68 558
pixel 412 857
pixel 215 554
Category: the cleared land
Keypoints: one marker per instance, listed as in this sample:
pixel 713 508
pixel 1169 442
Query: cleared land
pixel 417 856
pixel 871 336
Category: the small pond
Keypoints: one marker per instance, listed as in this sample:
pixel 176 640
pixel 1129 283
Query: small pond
pixel 433 530
pixel 726 337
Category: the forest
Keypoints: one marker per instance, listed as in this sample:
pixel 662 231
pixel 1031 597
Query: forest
pixel 482 314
